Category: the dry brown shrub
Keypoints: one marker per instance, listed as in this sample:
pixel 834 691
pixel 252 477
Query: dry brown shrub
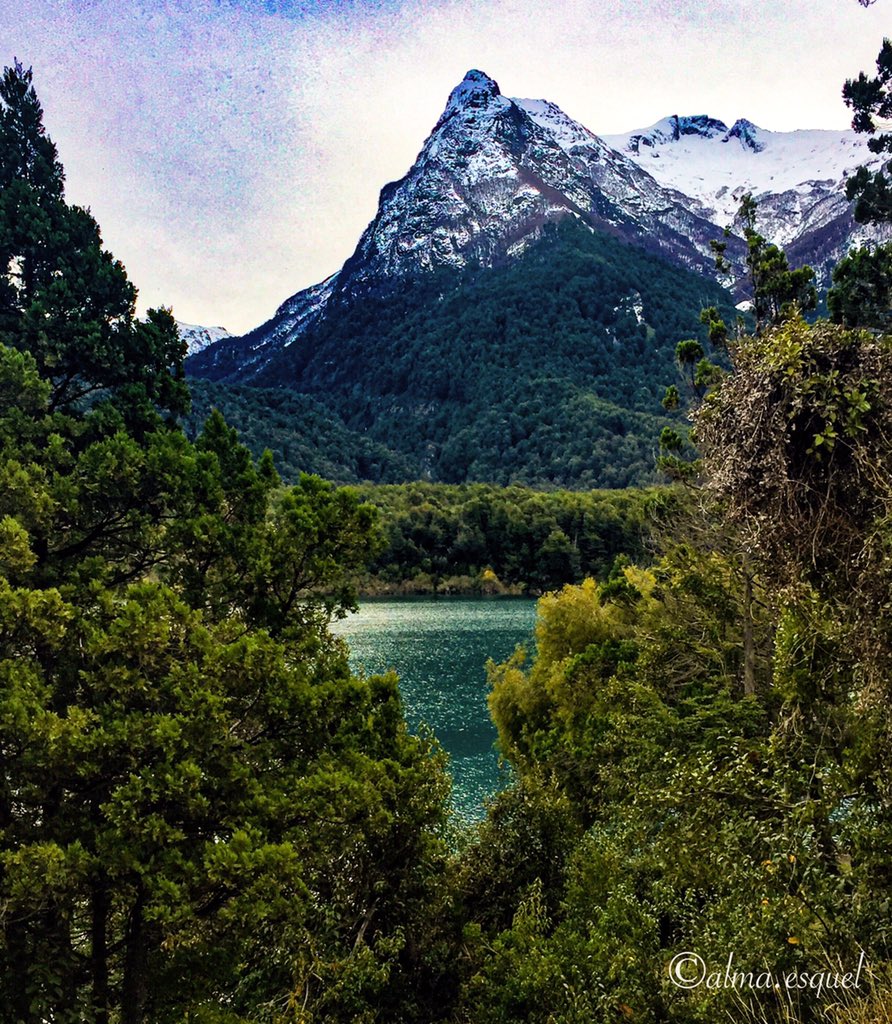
pixel 796 445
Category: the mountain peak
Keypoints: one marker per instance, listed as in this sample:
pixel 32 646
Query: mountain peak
pixel 697 124
pixel 475 90
pixel 748 134
pixel 673 129
pixel 476 80
pixel 198 337
pixel 496 173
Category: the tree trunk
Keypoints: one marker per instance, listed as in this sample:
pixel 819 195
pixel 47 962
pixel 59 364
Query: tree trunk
pixel 99 906
pixel 135 986
pixel 18 960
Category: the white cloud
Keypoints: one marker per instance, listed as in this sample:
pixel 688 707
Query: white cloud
pixel 233 153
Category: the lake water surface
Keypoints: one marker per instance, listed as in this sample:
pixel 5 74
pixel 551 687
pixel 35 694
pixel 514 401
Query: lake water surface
pixel 439 647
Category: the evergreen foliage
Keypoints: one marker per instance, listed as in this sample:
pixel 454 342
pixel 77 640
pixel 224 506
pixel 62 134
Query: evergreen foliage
pixel 301 434
pixel 870 100
pixel 861 295
pixel 540 372
pixel 701 747
pixel 776 289
pixel 478 538
pixel 203 815
pixel 778 293
pixel 63 298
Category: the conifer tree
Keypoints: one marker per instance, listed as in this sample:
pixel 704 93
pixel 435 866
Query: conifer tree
pixel 870 100
pixel 63 297
pixel 861 295
pixel 775 288
pixel 203 814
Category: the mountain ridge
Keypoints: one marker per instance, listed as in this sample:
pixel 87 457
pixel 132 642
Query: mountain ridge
pixel 546 370
pixel 197 338
pixel 511 312
pixel 790 174
pixel 494 171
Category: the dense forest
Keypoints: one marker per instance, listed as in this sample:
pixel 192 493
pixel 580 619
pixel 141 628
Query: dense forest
pixel 702 746
pixel 203 814
pixel 299 432
pixel 479 539
pixel 547 371
pixel 205 817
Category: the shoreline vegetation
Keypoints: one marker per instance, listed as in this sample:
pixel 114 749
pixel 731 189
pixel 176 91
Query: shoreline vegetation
pixel 486 585
pixel 486 540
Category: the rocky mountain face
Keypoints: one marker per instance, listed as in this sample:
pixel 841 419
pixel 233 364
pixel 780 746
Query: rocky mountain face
pixel 242 358
pixel 494 172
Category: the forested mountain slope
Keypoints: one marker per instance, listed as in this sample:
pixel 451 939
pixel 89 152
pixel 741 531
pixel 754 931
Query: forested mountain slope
pixel 547 370
pixel 511 312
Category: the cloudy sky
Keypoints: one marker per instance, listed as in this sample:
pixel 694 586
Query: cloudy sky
pixel 233 150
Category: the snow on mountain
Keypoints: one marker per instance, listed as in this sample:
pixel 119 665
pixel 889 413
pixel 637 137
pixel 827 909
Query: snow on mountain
pixel 198 338
pixel 672 129
pixel 251 351
pixel 495 171
pixel 569 134
pixel 717 165
pixel 476 91
pixel 489 178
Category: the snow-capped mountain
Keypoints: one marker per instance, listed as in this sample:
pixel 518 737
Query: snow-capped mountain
pixel 797 178
pixel 495 171
pixel 198 338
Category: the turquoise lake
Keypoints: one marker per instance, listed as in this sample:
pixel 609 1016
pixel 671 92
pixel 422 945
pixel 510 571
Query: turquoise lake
pixel 439 647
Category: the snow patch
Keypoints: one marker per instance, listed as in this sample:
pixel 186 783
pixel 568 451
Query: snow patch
pixel 566 132
pixel 198 338
pixel 475 91
pixel 712 169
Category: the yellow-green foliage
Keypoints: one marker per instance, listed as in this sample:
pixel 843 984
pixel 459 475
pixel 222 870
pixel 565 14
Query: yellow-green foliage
pixel 571 620
pixel 709 820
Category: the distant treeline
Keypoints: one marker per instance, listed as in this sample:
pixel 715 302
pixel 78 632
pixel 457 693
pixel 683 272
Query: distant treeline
pixel 478 538
pixel 438 538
